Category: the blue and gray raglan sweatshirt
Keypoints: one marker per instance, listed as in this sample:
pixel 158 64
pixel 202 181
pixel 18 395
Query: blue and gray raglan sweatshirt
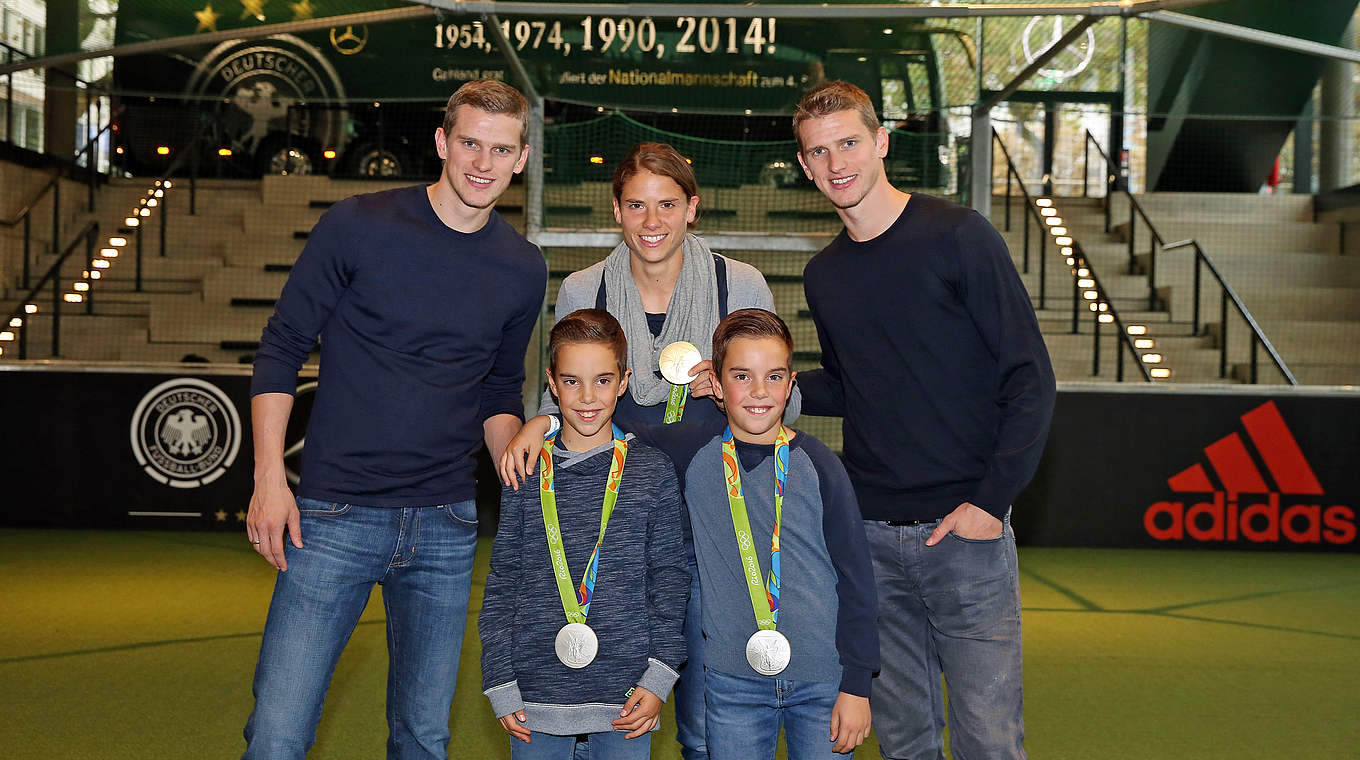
pixel 423 330
pixel 828 608
pixel 638 609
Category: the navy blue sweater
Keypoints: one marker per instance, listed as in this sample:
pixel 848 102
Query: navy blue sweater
pixel 932 354
pixel 423 332
pixel 828 607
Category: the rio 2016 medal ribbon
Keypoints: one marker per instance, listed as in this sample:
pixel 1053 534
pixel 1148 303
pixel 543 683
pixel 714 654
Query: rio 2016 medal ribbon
pixel 767 650
pixel 576 643
pixel 676 361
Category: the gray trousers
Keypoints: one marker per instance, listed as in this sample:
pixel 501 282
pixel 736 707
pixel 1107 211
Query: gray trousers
pixel 951 609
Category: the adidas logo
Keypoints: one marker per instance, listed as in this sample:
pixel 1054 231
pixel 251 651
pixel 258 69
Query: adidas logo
pixel 1241 505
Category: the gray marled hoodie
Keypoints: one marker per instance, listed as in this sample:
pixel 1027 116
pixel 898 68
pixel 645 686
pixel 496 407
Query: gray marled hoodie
pixel 638 609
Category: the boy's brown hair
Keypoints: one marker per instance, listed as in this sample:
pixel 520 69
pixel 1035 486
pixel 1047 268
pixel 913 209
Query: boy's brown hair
pixel 833 97
pixel 657 158
pixel 748 323
pixel 588 326
pixel 492 96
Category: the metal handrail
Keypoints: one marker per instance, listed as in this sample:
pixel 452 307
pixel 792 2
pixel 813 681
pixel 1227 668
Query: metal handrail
pixel 12 50
pixel 25 215
pixel 1228 294
pixel 53 184
pixel 37 197
pixel 1226 290
pixel 89 234
pixel 92 171
pixel 1135 210
pixel 1030 211
pixel 1079 261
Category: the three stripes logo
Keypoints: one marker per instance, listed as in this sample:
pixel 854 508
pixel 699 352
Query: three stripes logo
pixel 1240 504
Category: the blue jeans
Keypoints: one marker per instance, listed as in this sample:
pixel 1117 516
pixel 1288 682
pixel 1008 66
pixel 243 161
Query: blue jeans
pixel 606 745
pixel 689 690
pixel 423 558
pixel 952 608
pixel 745 714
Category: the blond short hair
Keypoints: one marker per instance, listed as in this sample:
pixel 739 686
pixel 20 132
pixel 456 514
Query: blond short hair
pixel 491 96
pixel 833 97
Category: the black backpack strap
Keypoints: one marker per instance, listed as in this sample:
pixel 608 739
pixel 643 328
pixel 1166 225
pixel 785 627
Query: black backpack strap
pixel 720 274
pixel 601 296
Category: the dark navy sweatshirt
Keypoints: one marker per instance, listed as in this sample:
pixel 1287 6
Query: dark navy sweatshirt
pixel 423 332
pixel 932 354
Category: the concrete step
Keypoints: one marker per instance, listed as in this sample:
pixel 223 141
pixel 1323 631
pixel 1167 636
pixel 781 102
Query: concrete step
pixel 1323 374
pixel 93 338
pixel 190 319
pixel 1248 206
pixel 223 285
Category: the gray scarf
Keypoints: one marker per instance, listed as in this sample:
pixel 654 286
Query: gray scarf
pixel 692 314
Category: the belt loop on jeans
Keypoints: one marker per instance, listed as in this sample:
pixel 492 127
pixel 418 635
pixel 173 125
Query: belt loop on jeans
pixel 908 523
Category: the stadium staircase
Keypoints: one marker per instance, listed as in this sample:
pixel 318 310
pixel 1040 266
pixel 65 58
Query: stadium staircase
pixel 211 293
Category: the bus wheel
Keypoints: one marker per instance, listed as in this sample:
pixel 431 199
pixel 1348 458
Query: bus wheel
pixel 372 161
pixel 279 158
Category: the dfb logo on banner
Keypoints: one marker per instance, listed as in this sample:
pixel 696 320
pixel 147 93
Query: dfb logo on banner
pixel 185 433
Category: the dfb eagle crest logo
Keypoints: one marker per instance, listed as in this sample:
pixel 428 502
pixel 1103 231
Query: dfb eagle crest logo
pixel 185 433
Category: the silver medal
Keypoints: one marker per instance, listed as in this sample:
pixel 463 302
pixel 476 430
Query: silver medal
pixel 576 645
pixel 676 361
pixel 768 652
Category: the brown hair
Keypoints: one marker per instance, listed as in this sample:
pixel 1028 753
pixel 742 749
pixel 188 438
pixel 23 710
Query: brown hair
pixel 748 323
pixel 492 96
pixel 833 97
pixel 657 158
pixel 588 326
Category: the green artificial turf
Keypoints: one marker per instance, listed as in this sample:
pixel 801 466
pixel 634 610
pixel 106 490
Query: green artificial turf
pixel 142 645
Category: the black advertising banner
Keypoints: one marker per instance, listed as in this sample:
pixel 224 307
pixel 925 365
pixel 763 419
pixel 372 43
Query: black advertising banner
pixel 165 448
pixel 125 450
pixel 1212 469
pixel 1155 467
pixel 141 448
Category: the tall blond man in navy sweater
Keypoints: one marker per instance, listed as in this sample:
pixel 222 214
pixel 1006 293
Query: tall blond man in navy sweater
pixel 932 355
pixel 424 300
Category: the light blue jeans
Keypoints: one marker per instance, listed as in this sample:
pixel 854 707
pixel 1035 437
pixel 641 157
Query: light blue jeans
pixel 744 715
pixel 689 690
pixel 606 745
pixel 952 608
pixel 423 558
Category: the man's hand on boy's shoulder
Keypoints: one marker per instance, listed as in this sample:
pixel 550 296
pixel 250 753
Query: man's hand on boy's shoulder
pixel 514 724
pixel 640 713
pixel 850 721
pixel 517 461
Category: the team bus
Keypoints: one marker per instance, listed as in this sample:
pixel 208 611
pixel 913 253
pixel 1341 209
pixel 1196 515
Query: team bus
pixel 361 100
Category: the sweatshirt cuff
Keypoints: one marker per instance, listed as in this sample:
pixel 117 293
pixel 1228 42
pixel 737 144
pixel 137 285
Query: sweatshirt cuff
pixel 505 699
pixel 270 376
pixel 515 410
pixel 659 678
pixel 993 498
pixel 856 681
